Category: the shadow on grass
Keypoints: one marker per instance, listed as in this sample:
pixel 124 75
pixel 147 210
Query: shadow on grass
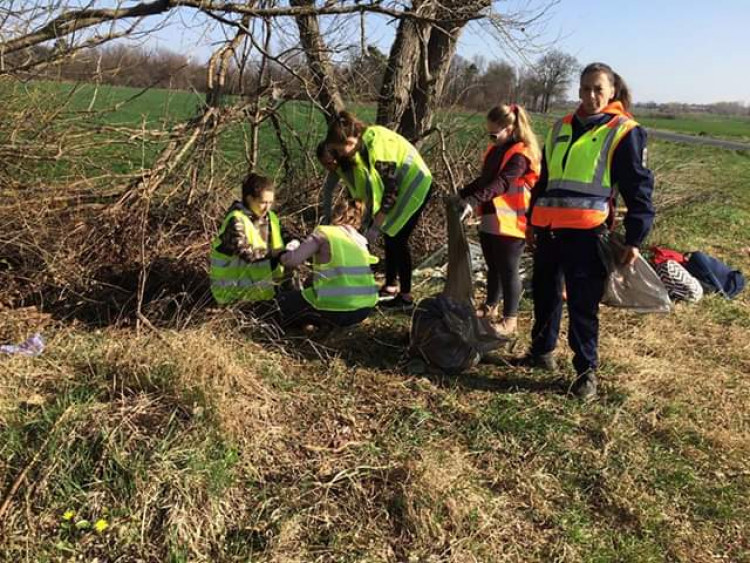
pixel 382 343
pixel 174 291
pixel 514 383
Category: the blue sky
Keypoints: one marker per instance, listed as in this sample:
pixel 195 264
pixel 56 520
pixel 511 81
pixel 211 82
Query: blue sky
pixel 667 50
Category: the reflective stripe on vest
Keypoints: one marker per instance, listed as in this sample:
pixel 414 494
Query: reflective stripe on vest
pixel 345 282
pixel 233 279
pixel 511 207
pixel 412 176
pixel 579 186
pixel 244 283
pixel 342 271
pixel 575 203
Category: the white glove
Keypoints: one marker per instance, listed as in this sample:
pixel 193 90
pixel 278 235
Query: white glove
pixel 466 210
pixel 292 245
pixel 372 234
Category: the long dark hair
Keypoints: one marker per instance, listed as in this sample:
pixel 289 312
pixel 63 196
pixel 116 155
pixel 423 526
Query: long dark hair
pixel 342 126
pixel 622 92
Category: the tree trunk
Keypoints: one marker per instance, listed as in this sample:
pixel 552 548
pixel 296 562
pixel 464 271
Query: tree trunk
pixel 430 83
pixel 401 70
pixel 327 90
pixel 419 64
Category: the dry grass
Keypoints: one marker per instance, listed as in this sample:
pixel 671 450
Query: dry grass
pixel 204 440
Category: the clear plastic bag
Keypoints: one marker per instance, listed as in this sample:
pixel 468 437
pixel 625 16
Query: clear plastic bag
pixel 635 287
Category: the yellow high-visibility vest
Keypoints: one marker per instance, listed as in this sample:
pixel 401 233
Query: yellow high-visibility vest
pixel 579 191
pixel 345 282
pixel 412 176
pixel 233 279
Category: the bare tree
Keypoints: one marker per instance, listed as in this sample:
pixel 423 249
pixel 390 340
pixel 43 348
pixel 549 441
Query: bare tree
pixel 553 73
pixel 178 174
pixel 437 49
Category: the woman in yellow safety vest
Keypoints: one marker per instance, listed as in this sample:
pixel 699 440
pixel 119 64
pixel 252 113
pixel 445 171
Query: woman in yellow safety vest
pixel 589 156
pixel 387 174
pixel 343 290
pixel 501 195
pixel 241 252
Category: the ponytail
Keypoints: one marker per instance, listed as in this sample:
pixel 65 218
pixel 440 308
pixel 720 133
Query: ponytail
pixel 342 126
pixel 524 133
pixel 622 92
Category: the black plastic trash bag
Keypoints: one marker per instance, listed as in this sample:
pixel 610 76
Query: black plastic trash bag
pixel 635 287
pixel 445 331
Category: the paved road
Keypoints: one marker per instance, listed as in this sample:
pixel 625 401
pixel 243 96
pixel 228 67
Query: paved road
pixel 697 140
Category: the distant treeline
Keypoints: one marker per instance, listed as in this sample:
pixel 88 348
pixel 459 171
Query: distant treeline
pixel 675 109
pixel 475 84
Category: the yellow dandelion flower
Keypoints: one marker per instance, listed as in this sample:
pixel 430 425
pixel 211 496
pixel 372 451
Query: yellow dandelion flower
pixel 101 525
pixel 69 515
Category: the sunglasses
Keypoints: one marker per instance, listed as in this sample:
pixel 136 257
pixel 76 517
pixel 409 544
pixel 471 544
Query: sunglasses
pixel 494 136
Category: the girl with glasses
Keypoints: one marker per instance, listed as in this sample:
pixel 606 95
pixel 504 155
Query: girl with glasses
pixel 501 196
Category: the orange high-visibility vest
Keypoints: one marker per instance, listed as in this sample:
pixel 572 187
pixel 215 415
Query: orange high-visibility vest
pixel 511 206
pixel 579 189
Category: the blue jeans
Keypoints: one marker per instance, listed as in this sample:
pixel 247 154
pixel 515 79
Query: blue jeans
pixel 574 256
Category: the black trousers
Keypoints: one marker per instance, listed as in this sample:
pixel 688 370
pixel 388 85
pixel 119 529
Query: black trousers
pixel 503 257
pixel 294 310
pixel 574 256
pixel 398 264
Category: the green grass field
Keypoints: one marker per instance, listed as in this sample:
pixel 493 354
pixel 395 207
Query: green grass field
pixel 91 108
pixel 214 443
pixel 726 127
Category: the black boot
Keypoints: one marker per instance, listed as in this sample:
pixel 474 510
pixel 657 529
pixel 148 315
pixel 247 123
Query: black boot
pixel 585 386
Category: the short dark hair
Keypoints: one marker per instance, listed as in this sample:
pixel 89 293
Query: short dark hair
pixel 255 184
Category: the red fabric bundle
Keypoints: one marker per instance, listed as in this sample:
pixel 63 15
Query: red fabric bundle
pixel 661 255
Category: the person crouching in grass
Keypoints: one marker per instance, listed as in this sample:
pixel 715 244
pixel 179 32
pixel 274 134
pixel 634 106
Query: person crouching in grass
pixel 241 252
pixel 343 290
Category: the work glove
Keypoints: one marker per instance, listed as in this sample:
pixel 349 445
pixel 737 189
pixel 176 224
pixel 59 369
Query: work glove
pixel 389 199
pixel 466 210
pixel 292 245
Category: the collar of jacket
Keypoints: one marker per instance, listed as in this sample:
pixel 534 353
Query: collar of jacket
pixel 613 108
pixel 238 205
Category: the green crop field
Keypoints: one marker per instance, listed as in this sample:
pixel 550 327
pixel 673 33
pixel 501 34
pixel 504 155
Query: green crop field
pixel 302 124
pixel 728 127
pixel 209 440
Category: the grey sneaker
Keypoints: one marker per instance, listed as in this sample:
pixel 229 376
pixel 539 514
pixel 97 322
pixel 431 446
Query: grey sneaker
pixel 545 362
pixel 585 386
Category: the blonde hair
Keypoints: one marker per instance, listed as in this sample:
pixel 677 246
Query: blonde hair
pixel 515 116
pixel 348 213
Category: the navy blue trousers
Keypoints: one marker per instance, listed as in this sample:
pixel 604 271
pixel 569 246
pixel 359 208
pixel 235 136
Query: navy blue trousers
pixel 574 256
